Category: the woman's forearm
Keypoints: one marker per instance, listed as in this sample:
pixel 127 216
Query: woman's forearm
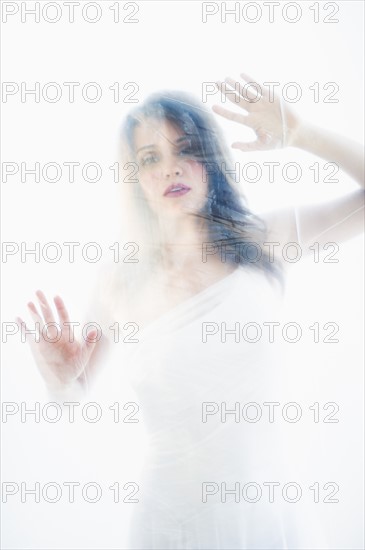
pixel 346 153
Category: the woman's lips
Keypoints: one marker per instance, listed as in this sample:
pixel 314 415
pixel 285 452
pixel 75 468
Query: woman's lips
pixel 176 190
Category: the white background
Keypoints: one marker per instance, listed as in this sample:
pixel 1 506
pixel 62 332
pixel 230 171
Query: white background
pixel 169 48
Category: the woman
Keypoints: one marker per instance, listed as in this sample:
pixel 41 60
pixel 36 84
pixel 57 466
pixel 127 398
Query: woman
pixel 202 262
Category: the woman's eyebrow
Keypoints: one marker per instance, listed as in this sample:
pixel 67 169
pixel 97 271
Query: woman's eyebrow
pixel 182 138
pixel 176 142
pixel 144 147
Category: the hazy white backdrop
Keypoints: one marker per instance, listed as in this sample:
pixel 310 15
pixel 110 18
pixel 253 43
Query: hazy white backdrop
pixel 170 47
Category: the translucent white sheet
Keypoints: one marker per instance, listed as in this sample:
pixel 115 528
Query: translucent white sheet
pixel 176 374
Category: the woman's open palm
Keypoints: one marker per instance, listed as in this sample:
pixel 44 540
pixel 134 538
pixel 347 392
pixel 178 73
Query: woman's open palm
pixel 273 122
pixel 60 358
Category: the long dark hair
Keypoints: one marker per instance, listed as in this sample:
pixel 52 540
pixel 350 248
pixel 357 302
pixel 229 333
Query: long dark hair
pixel 231 224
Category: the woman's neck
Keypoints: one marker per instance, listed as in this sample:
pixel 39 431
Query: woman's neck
pixel 182 243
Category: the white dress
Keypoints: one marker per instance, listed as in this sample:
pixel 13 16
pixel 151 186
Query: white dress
pixel 205 483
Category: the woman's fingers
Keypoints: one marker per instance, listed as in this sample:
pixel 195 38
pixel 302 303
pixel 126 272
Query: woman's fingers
pixel 32 338
pixel 249 79
pixel 22 325
pixel 45 307
pixel 48 317
pixel 263 116
pixel 37 318
pixel 237 117
pixel 61 309
pixel 247 96
pixel 231 93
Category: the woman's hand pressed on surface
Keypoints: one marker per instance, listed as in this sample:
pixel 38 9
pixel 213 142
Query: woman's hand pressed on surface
pixel 61 359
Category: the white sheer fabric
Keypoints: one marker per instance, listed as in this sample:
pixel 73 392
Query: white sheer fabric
pixel 177 373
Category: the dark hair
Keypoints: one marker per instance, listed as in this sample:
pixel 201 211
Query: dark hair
pixel 230 221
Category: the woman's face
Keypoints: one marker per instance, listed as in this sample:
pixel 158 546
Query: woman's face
pixel 173 181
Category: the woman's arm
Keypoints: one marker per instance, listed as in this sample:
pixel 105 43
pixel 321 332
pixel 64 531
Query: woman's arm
pixel 342 218
pixel 336 220
pixel 277 125
pixel 346 153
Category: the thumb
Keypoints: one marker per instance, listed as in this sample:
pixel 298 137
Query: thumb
pixel 90 341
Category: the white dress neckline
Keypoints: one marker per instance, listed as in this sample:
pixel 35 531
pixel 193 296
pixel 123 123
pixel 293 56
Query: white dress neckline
pixel 185 304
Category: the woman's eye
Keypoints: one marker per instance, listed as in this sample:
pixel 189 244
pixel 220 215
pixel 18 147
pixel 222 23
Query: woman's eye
pixel 148 159
pixel 192 152
pixel 191 148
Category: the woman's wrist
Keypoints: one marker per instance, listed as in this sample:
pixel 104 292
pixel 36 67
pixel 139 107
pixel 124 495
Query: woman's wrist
pixel 301 135
pixel 328 145
pixel 68 390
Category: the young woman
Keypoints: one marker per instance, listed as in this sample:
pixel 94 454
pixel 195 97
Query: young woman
pixel 203 265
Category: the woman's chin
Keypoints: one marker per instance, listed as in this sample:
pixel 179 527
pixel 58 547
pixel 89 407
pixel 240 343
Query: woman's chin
pixel 179 209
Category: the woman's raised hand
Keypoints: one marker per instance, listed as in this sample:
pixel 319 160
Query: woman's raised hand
pixel 60 358
pixel 274 123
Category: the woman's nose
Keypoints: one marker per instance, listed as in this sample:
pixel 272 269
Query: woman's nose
pixel 172 169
